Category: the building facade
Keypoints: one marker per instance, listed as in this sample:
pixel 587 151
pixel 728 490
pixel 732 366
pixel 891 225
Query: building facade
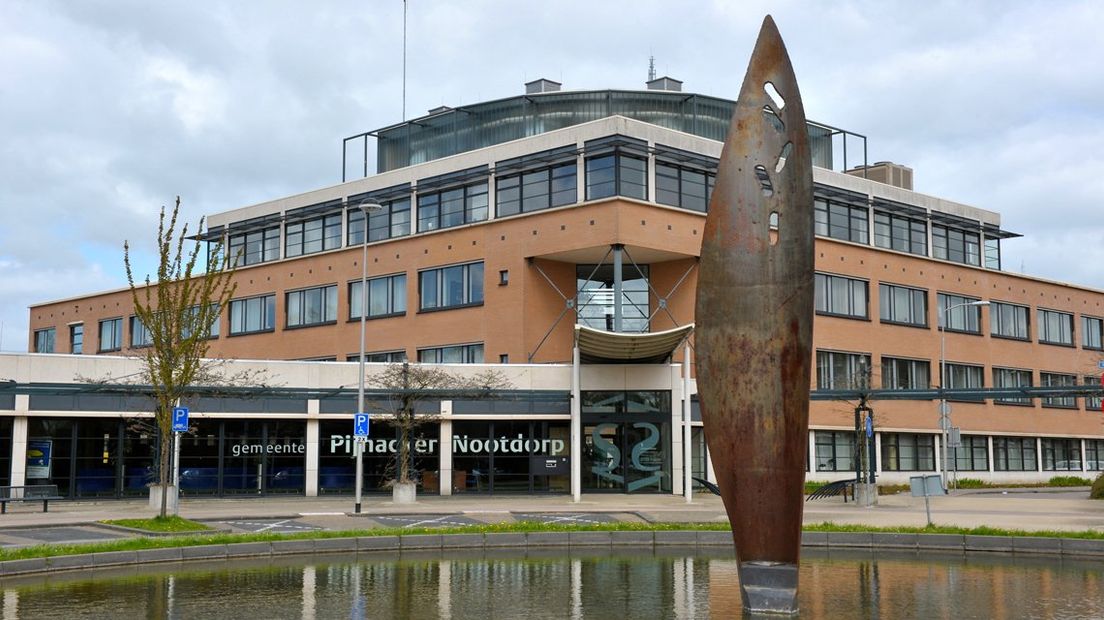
pixel 506 224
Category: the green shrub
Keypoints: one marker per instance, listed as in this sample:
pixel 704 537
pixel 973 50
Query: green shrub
pixel 812 485
pixel 1068 481
pixel 1097 491
pixel 972 483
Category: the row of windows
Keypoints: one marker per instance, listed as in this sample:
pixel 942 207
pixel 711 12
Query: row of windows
pixel 838 370
pixel 835 451
pixel 847 297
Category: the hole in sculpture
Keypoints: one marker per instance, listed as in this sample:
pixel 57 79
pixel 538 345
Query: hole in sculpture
pixel 781 163
pixel 764 181
pixel 774 119
pixel 773 232
pixel 774 95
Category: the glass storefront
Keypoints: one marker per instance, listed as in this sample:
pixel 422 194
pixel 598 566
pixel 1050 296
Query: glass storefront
pixel 626 441
pixel 337 459
pixel 511 456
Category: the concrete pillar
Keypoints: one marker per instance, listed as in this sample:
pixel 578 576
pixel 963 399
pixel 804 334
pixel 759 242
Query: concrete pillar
pixel 310 471
pixel 576 428
pixel 19 449
pixel 811 449
pixel 650 175
pixel 445 468
pixel 687 447
pixel 580 176
pixel 878 454
pixel 618 284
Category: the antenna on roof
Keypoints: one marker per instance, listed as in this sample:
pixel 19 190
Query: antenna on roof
pixel 651 68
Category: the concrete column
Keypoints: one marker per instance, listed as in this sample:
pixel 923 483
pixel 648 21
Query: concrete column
pixel 311 465
pixel 1084 459
pixel 687 447
pixel 576 428
pixel 650 175
pixel 19 449
pixel 811 449
pixel 878 454
pixel 938 454
pixel 445 469
pixel 618 285
pixel 580 176
pixel 989 449
pixel 491 201
pixel 1039 454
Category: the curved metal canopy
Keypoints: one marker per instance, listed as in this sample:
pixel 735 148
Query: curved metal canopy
pixel 597 346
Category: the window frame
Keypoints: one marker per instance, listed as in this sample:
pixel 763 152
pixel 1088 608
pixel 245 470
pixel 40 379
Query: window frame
pixel 439 287
pixel 997 319
pixel 889 296
pixel 516 182
pixel 137 327
pixel 619 182
pixel 302 228
pixel 893 462
pixel 953 241
pixel 435 199
pixel 268 245
pixel 944 301
pixel 852 360
pixel 45 338
pixel 391 214
pixel 327 299
pixel 827 308
pixel 467 351
pixel 1000 373
pixel 392 297
pixel 837 446
pixel 855 220
pixel 1047 378
pixel 974 453
pixel 1053 447
pixel 265 298
pixel 1002 455
pixel 972 373
pixel 912 364
pixel 117 336
pixel 396 356
pixel 1088 332
pixel 679 194
pixel 1043 328
pixel 887 227
pixel 75 347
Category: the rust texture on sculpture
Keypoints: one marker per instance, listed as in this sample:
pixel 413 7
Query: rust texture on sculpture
pixel 754 324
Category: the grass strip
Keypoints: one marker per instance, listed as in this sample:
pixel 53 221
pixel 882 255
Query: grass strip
pixel 160 525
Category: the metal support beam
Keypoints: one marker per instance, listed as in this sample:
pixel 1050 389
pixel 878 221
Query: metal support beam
pixel 618 284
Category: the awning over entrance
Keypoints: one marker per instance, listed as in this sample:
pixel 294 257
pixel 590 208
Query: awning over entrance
pixel 598 346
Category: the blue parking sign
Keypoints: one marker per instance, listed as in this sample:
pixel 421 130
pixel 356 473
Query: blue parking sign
pixel 360 424
pixel 180 419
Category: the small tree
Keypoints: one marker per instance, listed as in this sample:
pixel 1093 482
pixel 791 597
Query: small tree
pixel 177 312
pixel 414 383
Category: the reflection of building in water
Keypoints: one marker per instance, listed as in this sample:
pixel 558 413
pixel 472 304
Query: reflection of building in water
pixel 507 230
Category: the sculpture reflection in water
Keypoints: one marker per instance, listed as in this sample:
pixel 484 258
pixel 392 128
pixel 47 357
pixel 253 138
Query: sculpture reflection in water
pixel 754 325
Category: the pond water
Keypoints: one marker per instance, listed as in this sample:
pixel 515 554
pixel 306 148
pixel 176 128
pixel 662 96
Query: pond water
pixel 552 584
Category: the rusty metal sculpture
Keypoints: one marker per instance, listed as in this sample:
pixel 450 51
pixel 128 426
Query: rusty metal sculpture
pixel 754 325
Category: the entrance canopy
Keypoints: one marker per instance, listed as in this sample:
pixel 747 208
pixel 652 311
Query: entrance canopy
pixel 597 346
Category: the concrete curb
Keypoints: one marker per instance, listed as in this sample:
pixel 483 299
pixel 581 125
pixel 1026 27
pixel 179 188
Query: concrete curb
pixel 497 542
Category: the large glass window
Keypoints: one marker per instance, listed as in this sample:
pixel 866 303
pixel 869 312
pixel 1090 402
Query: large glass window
pixel 965 376
pixel 908 452
pixel 900 304
pixel 313 235
pixel 1009 321
pixel 451 287
pixel 1014 454
pixel 841 371
pixel 256 314
pixel 456 354
pixel 1050 379
pixel 992 253
pixel 44 340
pixel 596 301
pixel 1094 454
pixel 972 455
pixel 510 456
pixel 1092 329
pixel 386 296
pixel 905 374
pixel 616 174
pixel 841 296
pixel 835 451
pixel 139 334
pixel 111 335
pixel 1012 378
pixel 841 221
pixel 956 245
pixel 451 207
pixel 680 186
pixel 533 190
pixel 76 338
pixel 1061 454
pixel 1093 403
pixel 626 441
pixel 312 306
pixel 255 247
pixel 1055 327
pixel 380 357
pixel 393 220
pixel 957 315
pixel 900 233
pixel 193 320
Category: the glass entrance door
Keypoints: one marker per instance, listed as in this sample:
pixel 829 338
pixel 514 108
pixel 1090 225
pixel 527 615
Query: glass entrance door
pixel 626 456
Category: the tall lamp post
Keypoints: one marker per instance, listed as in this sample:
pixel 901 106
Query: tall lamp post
pixel 944 408
pixel 367 207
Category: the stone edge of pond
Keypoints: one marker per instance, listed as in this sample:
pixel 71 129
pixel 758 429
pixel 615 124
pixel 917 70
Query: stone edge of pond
pixel 960 543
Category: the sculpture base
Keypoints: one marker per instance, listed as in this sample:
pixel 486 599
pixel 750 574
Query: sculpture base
pixel 866 494
pixel 769 587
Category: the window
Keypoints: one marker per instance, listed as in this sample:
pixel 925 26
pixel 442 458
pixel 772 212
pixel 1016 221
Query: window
pixel 1055 327
pixel 1061 455
pixel 899 304
pixel 386 296
pixel 956 245
pixel 255 247
pixel 139 334
pixel 905 374
pixel 965 376
pixel 841 371
pixel 392 221
pixel 1094 454
pixel 1051 379
pixel 972 455
pixel 596 303
pixel 957 316
pixel 379 357
pixel 76 338
pixel 451 287
pixel 44 340
pixel 256 314
pixel 840 296
pixel 992 253
pixel 459 354
pixel 616 174
pixel 1009 321
pixel 111 334
pixel 451 207
pixel 840 221
pixel 900 233
pixel 312 306
pixel 1092 329
pixel 193 320
pixel 835 451
pixel 313 235
pixel 1093 403
pixel 1014 454
pixel 684 187
pixel 1012 378
pixel 533 190
pixel 908 452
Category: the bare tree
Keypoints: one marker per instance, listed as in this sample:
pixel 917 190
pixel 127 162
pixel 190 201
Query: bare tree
pixel 177 313
pixel 413 383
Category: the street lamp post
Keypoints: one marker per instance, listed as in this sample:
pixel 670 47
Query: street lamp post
pixel 944 408
pixel 367 207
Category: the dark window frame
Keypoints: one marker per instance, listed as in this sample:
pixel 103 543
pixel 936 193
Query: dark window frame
pixel 825 303
pixel 1007 450
pixel 45 338
pixel 392 297
pixel 1092 333
pixel 956 245
pixel 328 227
pixel 395 218
pixel 826 364
pixel 944 301
pixel 1000 379
pixel 997 320
pixel 527 193
pixel 887 293
pixel 972 457
pixel 891 452
pixel 267 246
pixel 1049 379
pixel 469 208
pixel 841 221
pixel 1054 447
pixel 243 304
pixel 467 351
pixel 900 233
pixel 137 327
pixel 1044 328
pixel 891 373
pixel 327 298
pixel 680 175
pixel 620 183
pixel 76 345
pixel 468 293
pixel 117 336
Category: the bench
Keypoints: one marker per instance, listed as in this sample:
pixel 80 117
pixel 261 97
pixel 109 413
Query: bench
pixel 28 493
pixel 833 489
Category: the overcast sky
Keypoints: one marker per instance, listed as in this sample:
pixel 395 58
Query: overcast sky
pixel 109 109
